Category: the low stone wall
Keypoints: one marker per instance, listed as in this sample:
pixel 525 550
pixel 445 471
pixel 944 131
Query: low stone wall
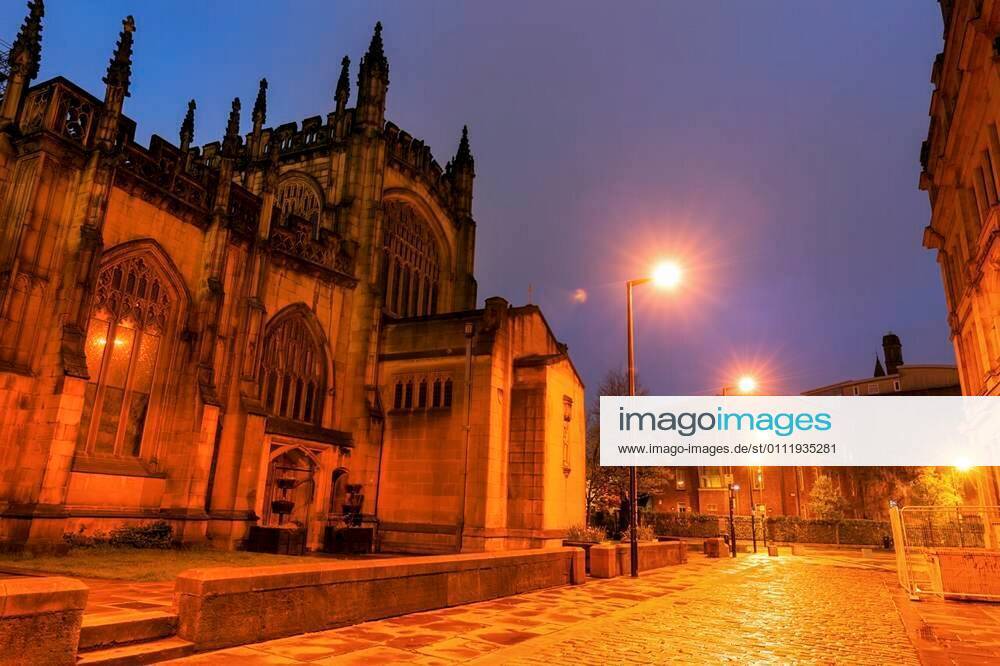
pixel 226 606
pixel 610 560
pixel 40 619
pixel 967 572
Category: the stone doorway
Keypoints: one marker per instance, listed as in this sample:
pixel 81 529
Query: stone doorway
pixel 297 471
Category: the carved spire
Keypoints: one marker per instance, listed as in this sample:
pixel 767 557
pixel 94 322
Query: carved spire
pixel 120 66
pixel 879 370
pixel 24 57
pixel 26 52
pixel 462 172
pixel 343 85
pixel 373 84
pixel 231 142
pixel 464 155
pixel 260 106
pixel 187 127
pixel 375 57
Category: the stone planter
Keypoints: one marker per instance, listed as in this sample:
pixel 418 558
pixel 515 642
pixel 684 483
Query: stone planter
pixel 713 547
pixel 585 545
pixel 772 551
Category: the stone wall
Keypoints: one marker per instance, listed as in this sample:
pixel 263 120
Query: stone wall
pixel 40 620
pixel 227 606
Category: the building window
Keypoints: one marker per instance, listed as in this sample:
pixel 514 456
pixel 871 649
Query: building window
pixel 680 479
pixel 895 385
pixel 710 477
pixel 408 396
pixel 293 370
pixel 422 395
pixel 447 393
pixel 757 478
pixel 436 399
pixel 873 388
pixel 856 390
pixel 411 271
pixel 297 196
pixel 397 397
pixel 682 507
pixel 132 314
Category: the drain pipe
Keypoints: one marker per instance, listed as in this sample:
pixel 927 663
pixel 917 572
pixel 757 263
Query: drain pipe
pixel 460 533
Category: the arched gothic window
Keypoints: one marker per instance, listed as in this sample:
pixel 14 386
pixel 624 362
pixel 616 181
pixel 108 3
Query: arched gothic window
pixel 411 272
pixel 297 196
pixel 293 371
pixel 126 350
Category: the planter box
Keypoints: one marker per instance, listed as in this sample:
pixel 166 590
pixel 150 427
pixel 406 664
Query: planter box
pixel 585 545
pixel 610 560
pixel 351 540
pixel 713 547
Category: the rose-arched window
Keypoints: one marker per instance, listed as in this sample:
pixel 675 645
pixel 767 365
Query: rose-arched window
pixel 411 273
pixel 133 310
pixel 297 196
pixel 293 370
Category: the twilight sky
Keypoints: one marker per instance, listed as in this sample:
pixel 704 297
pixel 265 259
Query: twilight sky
pixel 772 147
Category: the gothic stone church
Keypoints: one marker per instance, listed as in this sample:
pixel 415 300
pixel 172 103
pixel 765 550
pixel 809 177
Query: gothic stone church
pixel 182 327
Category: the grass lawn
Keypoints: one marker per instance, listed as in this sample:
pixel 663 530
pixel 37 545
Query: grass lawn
pixel 138 564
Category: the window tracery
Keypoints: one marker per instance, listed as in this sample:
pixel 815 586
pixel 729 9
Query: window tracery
pixel 412 272
pixel 130 319
pixel 292 371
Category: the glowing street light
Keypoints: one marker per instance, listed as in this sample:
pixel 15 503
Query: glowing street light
pixel 747 384
pixel 666 275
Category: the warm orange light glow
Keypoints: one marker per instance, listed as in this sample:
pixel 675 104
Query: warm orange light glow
pixel 964 465
pixel 120 342
pixel 667 274
pixel 102 341
pixel 746 384
pixel 580 296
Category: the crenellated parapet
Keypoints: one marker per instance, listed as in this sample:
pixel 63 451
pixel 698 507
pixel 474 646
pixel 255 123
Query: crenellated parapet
pixel 413 157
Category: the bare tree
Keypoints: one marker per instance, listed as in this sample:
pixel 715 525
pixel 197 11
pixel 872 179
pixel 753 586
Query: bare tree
pixel 608 487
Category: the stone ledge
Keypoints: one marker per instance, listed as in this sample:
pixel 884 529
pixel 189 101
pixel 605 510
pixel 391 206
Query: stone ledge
pixel 227 606
pixel 40 619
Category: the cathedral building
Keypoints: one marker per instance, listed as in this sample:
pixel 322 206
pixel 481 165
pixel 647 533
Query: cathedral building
pixel 189 333
pixel 960 162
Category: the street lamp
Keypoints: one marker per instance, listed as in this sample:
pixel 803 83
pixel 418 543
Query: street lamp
pixel 746 385
pixel 733 489
pixel 666 275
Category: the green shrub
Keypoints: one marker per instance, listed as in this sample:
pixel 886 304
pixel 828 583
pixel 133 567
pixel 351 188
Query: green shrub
pixel 152 535
pixel 644 533
pixel 584 534
pixel 148 535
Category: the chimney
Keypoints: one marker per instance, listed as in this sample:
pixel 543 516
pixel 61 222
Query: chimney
pixel 892 349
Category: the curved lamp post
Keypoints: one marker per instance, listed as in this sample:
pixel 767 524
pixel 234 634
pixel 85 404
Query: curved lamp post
pixel 666 275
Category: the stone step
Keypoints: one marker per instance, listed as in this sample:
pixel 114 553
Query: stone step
pixel 101 631
pixel 138 653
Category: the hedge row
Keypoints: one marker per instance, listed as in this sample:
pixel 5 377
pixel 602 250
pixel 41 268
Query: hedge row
pixel 787 529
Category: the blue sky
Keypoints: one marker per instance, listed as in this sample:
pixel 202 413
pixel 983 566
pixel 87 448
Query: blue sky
pixel 772 147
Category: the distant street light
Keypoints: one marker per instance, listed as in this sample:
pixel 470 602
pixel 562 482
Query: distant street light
pixel 666 275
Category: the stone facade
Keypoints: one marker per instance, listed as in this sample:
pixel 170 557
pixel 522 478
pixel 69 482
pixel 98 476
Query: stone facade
pixel 960 163
pixel 182 326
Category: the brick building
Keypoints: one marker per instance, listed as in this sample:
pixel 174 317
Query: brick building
pixel 182 327
pixel 960 162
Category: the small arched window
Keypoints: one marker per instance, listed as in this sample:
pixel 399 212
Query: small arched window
pixel 293 370
pixel 134 308
pixel 411 271
pixel 298 196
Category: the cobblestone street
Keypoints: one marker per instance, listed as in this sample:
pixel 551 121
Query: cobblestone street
pixel 813 609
